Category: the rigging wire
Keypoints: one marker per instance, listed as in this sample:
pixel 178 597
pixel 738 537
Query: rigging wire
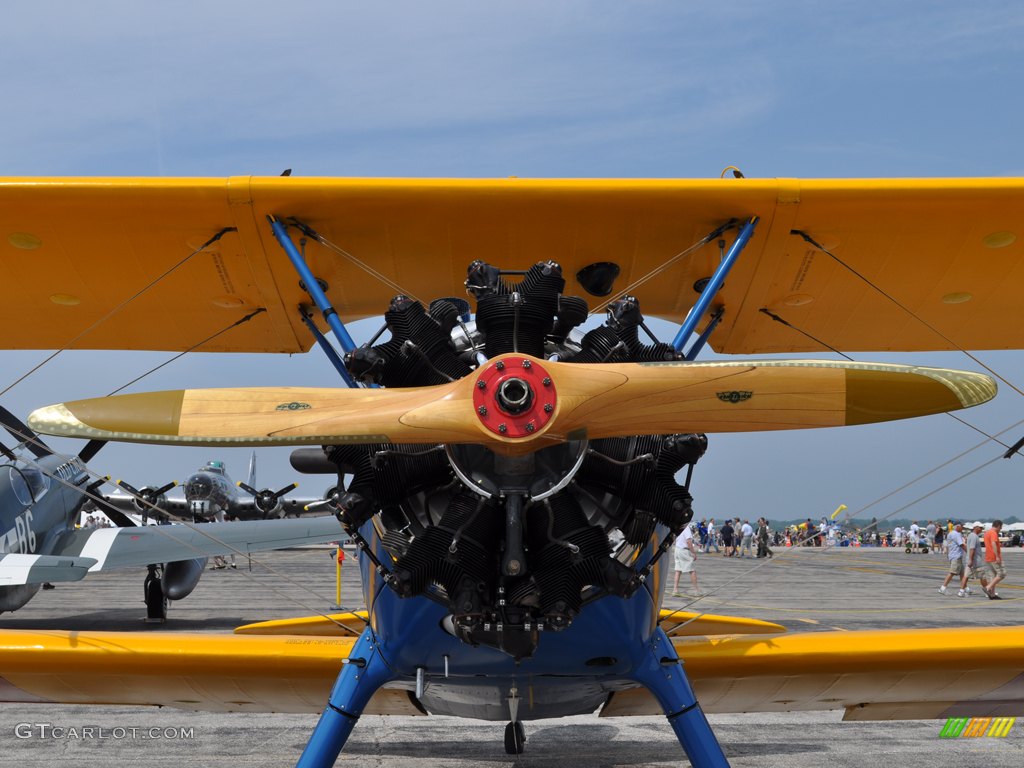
pixel 807 238
pixel 96 497
pixel 828 346
pixel 119 307
pixel 665 265
pixel 935 469
pixel 317 237
pixel 27 439
pixel 194 347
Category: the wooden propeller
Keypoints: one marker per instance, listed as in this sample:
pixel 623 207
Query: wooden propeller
pixel 517 404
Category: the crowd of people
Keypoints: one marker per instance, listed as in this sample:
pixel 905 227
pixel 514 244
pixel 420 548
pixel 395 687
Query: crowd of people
pixel 977 555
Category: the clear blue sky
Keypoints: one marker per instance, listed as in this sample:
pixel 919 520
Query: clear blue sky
pixel 641 89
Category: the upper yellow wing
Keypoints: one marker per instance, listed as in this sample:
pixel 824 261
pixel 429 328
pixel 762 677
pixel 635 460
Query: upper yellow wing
pixel 106 264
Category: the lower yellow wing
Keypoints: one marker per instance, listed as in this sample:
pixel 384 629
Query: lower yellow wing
pixel 892 674
pixel 208 673
pixel 873 675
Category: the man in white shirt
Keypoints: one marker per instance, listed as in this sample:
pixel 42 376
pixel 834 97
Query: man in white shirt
pixel 712 536
pixel 747 532
pixel 955 553
pixel 974 560
pixel 686 557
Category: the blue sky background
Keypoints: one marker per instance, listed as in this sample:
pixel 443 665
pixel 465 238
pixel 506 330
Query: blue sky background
pixel 573 89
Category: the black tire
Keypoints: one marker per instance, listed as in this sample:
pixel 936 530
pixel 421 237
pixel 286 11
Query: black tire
pixel 515 738
pixel 156 602
pixel 910 551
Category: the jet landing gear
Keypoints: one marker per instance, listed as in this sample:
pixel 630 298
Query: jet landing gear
pixel 515 738
pixel 156 600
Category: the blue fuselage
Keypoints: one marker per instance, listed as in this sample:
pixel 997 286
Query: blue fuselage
pixel 571 672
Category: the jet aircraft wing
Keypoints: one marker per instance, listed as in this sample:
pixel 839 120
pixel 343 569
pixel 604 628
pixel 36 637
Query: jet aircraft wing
pixel 125 547
pixel 36 569
pixel 879 675
pixel 869 264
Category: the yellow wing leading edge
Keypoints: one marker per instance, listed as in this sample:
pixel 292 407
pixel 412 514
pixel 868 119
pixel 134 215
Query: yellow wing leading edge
pixel 79 250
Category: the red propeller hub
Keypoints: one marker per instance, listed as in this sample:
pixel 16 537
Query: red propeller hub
pixel 514 396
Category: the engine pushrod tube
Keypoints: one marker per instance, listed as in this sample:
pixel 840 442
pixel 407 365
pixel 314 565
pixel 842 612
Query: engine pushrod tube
pixel 714 285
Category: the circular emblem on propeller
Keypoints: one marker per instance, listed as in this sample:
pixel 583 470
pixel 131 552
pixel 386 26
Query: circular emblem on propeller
pixel 514 396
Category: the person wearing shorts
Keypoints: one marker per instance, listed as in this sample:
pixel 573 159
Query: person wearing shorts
pixel 955 552
pixel 686 561
pixel 974 560
pixel 994 559
pixel 727 539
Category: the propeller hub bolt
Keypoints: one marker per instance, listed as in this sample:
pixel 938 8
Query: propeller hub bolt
pixel 548 408
pixel 530 427
pixel 482 410
pixel 547 381
pixel 526 364
pixel 481 385
pixel 500 365
pixel 503 428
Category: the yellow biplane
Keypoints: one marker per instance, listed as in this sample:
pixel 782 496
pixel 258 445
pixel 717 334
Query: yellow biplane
pixel 493 448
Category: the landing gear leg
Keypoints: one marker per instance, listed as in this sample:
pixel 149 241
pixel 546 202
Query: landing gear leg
pixel 515 738
pixel 156 602
pixel 661 672
pixel 364 672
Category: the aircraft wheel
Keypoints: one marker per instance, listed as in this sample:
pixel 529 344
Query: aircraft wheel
pixel 156 602
pixel 515 738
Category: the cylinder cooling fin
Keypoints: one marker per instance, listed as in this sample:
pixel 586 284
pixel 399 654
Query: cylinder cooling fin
pixel 513 546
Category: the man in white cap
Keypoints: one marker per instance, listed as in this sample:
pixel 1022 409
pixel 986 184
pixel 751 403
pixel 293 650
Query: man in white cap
pixel 975 560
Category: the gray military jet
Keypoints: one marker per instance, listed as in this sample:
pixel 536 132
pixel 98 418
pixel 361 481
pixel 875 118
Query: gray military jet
pixel 41 497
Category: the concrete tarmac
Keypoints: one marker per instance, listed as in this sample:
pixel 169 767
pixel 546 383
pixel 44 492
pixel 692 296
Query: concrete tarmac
pixel 808 589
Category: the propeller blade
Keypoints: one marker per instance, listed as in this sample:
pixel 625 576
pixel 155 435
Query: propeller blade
pixel 516 404
pixel 20 432
pixel 165 488
pixel 248 489
pixel 90 450
pixel 286 489
pixel 117 517
pixel 128 487
pixel 762 395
